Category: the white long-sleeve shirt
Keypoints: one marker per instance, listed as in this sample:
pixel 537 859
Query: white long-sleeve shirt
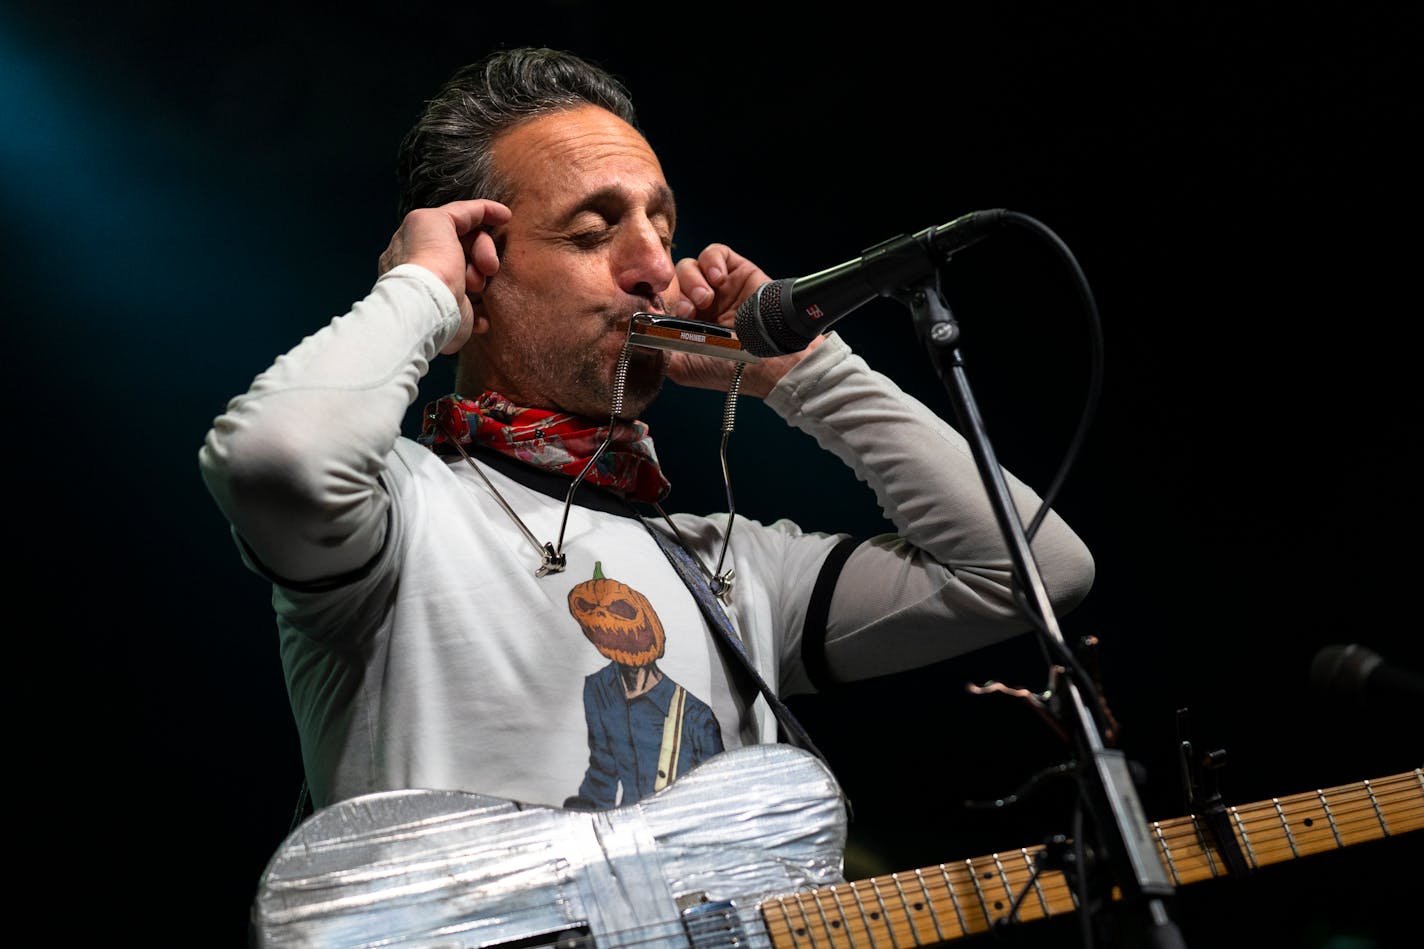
pixel 420 649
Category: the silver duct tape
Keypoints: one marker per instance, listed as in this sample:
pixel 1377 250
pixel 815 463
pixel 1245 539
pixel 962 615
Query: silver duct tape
pixel 445 868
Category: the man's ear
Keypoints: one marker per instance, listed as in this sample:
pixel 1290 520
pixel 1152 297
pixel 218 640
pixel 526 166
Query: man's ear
pixel 481 321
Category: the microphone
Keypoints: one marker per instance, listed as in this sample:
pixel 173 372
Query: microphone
pixel 1358 673
pixel 783 316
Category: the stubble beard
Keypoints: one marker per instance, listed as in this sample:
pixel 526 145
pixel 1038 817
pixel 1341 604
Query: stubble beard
pixel 587 387
pixel 644 380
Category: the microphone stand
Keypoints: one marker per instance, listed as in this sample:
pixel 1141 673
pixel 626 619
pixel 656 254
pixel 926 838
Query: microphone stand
pixel 1103 772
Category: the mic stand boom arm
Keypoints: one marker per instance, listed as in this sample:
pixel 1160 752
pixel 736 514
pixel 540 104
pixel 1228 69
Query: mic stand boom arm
pixel 1113 799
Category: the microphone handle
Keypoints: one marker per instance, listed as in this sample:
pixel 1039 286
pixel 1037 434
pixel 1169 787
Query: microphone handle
pixel 783 316
pixel 815 303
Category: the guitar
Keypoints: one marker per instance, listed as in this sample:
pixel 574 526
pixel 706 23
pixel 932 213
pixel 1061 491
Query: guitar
pixel 744 850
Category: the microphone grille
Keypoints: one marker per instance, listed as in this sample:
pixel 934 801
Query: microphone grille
pixel 761 328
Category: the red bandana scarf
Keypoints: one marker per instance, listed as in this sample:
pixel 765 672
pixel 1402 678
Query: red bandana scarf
pixel 554 441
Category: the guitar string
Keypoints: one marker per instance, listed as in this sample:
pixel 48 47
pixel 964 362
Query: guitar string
pixel 1054 882
pixel 1398 797
pixel 1398 800
pixel 1347 803
pixel 840 920
pixel 1349 814
pixel 1348 818
pixel 1268 834
pixel 1415 810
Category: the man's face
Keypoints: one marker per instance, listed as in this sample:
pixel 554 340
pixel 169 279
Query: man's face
pixel 588 243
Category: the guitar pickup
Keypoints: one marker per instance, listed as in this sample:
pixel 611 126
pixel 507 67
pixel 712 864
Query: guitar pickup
pixel 712 924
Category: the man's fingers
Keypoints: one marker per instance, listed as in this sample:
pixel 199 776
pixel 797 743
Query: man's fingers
pixel 482 254
pixel 477 212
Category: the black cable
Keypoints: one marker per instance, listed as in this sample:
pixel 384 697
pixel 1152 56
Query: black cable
pixel 1095 365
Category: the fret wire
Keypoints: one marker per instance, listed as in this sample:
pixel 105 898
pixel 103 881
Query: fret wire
pixel 885 912
pixel 1362 808
pixel 1204 852
pixel 1016 883
pixel 864 917
pixel 905 900
pixel 815 897
pixel 785 918
pixel 1350 812
pixel 1285 826
pixel 1264 828
pixel 1193 856
pixel 1167 852
pixel 1268 812
pixel 889 920
pixel 840 914
pixel 1378 813
pixel 1245 840
pixel 1055 884
pixel 1009 893
pixel 1206 848
pixel 930 902
pixel 1358 813
pixel 954 899
pixel 1330 817
pixel 772 919
pixel 1032 865
pixel 1345 794
pixel 978 890
pixel 805 922
pixel 1347 812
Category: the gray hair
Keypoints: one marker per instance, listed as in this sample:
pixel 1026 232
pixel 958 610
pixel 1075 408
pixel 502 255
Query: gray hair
pixel 446 154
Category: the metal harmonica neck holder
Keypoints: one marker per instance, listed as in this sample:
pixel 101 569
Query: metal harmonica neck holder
pixel 655 332
pixel 704 339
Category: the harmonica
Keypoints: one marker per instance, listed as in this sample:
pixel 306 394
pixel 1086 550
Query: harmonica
pixel 688 336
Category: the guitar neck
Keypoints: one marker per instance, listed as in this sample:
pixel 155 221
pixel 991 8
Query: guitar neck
pixel 952 900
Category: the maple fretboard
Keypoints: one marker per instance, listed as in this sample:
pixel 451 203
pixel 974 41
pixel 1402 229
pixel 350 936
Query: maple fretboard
pixel 952 900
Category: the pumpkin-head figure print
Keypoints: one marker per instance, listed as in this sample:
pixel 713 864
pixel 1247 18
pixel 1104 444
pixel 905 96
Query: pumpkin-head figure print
pixel 618 620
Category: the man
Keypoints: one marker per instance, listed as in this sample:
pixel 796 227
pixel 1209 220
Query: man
pixel 446 619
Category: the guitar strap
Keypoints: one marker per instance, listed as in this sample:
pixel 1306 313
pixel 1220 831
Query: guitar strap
pixel 728 641
pixel 672 739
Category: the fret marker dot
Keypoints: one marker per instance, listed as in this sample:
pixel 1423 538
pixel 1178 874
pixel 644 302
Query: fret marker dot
pixel 1310 822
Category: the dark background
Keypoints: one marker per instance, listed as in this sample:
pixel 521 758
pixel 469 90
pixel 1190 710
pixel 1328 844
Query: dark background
pixel 188 190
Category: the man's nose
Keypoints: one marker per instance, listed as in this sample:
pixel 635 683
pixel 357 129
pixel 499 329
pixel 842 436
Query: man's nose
pixel 644 265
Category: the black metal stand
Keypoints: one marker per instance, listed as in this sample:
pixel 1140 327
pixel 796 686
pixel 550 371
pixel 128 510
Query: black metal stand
pixel 1111 796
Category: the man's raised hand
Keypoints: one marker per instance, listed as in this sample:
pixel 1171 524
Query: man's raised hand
pixel 453 242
